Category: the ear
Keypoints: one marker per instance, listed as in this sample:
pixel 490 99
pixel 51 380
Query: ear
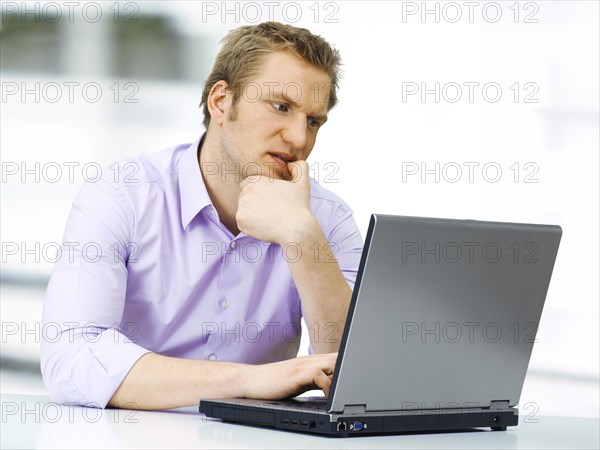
pixel 217 102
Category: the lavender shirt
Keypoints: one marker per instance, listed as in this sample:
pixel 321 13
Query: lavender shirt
pixel 147 266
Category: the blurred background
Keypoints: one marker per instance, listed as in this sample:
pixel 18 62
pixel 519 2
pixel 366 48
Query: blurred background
pixel 431 89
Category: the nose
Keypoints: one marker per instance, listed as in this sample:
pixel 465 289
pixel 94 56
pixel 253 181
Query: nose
pixel 295 134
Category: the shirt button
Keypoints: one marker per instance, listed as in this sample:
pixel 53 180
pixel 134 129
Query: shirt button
pixel 212 357
pixel 232 245
pixel 225 304
pixel 213 212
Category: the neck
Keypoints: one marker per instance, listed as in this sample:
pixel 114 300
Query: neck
pixel 222 188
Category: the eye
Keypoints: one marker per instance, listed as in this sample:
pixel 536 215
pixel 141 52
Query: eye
pixel 313 122
pixel 280 106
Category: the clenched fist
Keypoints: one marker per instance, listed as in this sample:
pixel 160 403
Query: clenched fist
pixel 275 210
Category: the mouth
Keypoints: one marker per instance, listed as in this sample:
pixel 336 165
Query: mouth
pixel 282 160
pixel 285 157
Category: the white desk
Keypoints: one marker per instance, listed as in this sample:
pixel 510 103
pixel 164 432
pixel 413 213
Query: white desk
pixel 35 422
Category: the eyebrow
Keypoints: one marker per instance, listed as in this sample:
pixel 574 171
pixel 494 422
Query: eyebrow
pixel 278 94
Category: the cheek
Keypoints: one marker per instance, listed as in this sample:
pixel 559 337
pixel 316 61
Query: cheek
pixel 312 139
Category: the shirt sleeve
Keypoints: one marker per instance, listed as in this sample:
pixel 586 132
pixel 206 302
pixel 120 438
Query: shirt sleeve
pixel 86 351
pixel 346 243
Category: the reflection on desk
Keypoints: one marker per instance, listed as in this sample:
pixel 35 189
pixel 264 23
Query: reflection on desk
pixel 35 422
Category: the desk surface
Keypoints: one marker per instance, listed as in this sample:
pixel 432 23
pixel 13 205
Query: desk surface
pixel 34 422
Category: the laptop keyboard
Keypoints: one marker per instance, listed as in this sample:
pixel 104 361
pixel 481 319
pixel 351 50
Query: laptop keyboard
pixel 319 405
pixel 311 405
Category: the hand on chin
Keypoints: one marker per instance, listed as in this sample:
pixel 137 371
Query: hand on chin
pixel 273 209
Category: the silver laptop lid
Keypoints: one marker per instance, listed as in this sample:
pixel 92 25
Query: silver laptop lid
pixel 444 313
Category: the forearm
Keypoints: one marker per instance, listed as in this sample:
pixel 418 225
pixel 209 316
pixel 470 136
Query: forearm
pixel 323 290
pixel 162 382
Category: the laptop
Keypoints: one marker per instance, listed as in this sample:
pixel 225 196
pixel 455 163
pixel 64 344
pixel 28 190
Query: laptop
pixel 439 333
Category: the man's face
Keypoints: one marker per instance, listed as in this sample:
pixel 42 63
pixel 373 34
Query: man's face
pixel 277 118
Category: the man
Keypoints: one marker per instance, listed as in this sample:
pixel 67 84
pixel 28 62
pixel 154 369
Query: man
pixel 206 258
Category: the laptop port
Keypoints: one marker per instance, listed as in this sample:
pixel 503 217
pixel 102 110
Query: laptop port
pixel 304 423
pixel 295 422
pixel 285 421
pixel 357 426
pixel 341 426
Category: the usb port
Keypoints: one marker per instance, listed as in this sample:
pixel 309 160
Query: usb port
pixel 304 423
pixel 295 422
pixel 285 421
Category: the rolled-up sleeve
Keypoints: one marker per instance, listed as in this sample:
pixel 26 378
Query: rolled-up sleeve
pixel 86 350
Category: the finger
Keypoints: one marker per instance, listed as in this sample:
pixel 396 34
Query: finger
pixel 324 355
pixel 324 361
pixel 249 180
pixel 330 362
pixel 329 369
pixel 299 171
pixel 323 382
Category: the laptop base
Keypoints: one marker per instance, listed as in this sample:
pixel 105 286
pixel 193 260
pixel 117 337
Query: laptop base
pixel 340 425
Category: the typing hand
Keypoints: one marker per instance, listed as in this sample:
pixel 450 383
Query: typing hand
pixel 292 377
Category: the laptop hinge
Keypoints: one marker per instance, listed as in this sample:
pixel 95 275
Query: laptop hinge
pixel 355 409
pixel 499 404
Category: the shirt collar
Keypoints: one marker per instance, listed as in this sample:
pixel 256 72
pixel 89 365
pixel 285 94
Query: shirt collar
pixel 192 189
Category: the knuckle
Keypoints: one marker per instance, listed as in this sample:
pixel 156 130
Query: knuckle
pixel 239 217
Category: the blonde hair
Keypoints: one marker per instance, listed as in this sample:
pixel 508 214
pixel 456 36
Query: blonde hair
pixel 245 48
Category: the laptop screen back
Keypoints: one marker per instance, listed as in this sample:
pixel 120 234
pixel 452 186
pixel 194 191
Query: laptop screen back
pixel 444 313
